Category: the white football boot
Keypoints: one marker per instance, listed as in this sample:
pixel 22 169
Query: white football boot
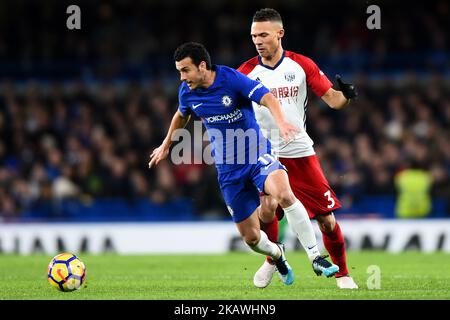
pixel 346 282
pixel 264 275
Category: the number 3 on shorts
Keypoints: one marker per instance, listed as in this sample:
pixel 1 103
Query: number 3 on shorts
pixel 330 199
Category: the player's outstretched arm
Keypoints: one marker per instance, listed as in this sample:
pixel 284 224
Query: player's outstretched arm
pixel 338 99
pixel 160 153
pixel 288 131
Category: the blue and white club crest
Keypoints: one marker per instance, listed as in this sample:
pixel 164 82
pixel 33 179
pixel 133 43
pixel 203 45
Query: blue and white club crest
pixel 227 101
pixel 289 76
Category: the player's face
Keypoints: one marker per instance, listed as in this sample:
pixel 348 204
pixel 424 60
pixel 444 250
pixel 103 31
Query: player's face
pixel 193 75
pixel 266 36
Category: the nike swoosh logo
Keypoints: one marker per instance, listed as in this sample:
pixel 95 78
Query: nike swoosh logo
pixel 309 248
pixel 267 167
pixel 195 106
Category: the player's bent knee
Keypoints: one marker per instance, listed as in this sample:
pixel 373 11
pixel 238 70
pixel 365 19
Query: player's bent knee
pixel 285 198
pixel 273 207
pixel 251 238
pixel 327 224
pixel 267 214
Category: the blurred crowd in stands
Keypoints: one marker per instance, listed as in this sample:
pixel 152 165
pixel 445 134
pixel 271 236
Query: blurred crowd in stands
pixel 120 38
pixel 78 141
pixel 69 130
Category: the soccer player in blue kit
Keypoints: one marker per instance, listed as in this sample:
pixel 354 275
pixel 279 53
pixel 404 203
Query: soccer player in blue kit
pixel 221 97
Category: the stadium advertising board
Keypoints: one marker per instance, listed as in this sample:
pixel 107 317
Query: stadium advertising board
pixel 210 237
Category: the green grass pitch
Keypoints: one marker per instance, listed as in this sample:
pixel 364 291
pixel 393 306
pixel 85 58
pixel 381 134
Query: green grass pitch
pixel 409 275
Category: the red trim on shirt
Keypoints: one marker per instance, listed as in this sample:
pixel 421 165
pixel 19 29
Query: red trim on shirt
pixel 319 83
pixel 248 65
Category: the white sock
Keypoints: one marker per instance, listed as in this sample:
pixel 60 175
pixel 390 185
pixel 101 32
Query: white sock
pixel 266 247
pixel 299 221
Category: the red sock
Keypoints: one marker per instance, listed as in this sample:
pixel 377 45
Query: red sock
pixel 335 245
pixel 271 229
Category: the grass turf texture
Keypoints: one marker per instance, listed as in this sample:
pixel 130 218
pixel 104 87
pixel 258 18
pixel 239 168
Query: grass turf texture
pixel 409 275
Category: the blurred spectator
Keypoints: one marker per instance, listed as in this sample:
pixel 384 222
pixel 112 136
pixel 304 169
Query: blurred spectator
pixel 413 186
pixel 63 187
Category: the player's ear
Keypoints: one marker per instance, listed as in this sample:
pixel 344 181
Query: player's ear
pixel 202 66
pixel 280 33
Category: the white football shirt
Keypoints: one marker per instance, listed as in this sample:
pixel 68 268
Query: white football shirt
pixel 288 81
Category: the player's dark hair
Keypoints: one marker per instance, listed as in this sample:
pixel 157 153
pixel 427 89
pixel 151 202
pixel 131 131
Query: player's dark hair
pixel 196 51
pixel 267 14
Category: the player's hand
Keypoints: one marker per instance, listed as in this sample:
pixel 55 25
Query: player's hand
pixel 347 89
pixel 288 131
pixel 157 155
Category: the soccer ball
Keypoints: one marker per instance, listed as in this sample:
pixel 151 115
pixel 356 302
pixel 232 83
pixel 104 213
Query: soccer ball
pixel 66 272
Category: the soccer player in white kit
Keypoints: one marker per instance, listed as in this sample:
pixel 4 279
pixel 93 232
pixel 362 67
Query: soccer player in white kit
pixel 287 75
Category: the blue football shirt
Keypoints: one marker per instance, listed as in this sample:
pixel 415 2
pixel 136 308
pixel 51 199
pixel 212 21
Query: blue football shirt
pixel 226 111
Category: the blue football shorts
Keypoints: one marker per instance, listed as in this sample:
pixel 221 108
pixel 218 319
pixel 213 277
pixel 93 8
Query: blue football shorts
pixel 241 187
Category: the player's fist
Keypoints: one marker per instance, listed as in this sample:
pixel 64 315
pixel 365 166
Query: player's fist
pixel 347 89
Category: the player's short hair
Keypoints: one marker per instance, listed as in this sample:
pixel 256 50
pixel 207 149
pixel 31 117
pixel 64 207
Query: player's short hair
pixel 267 14
pixel 194 50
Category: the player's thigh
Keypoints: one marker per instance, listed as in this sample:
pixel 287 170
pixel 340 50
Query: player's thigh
pixel 268 168
pixel 277 185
